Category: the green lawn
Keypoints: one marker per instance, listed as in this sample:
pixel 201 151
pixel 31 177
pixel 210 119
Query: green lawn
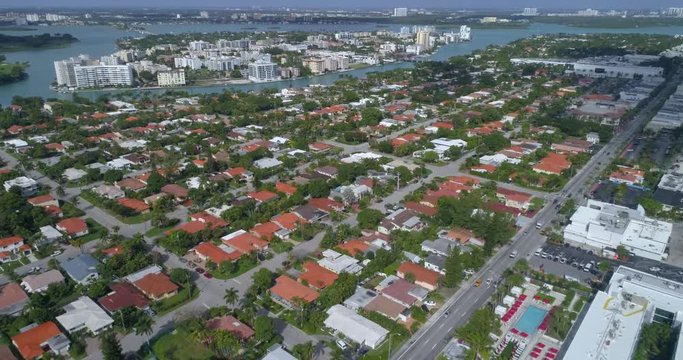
pixel 10 266
pixel 181 298
pixel 178 345
pixel 243 266
pixel 136 219
pixel 156 231
pixel 281 246
pixel 95 231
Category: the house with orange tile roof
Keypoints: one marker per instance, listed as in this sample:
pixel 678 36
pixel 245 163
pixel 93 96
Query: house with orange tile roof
pixel 285 188
pixel 11 247
pixel 288 292
pixel 512 198
pixel 156 286
pixel 319 147
pixel 208 251
pixel 135 205
pixel 426 278
pixel 239 173
pixel 405 139
pixel 462 236
pixel 316 276
pixel 43 200
pixel 34 340
pixel 552 164
pixel 130 184
pixel 465 180
pixel 262 196
pixel 353 247
pixel 178 192
pixel 269 230
pixel 483 168
pixel 190 227
pixel 73 227
pixel 244 242
pixel 288 220
pixel 212 221
pixel 325 204
pixel 628 176
pixel 230 324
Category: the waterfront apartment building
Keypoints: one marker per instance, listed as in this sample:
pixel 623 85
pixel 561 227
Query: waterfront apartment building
pixel 400 12
pixel 64 71
pixel 262 71
pixel 423 39
pixel 91 76
pixel 171 78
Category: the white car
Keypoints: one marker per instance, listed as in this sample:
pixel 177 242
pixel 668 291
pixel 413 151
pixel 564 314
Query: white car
pixel 513 254
pixel 655 269
pixel 342 345
pixel 430 303
pixel 56 252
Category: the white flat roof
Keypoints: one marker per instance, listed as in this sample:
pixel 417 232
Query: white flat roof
pixel 609 331
pixel 354 326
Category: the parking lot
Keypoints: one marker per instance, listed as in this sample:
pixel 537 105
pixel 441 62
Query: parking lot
pixel 565 261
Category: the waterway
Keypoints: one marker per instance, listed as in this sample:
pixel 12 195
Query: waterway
pixel 100 40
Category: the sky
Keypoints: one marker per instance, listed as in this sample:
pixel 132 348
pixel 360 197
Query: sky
pixel 458 4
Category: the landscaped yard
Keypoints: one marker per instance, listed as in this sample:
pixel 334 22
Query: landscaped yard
pixel 95 231
pixel 97 201
pixel 8 267
pixel 281 246
pixel 176 301
pixel 178 345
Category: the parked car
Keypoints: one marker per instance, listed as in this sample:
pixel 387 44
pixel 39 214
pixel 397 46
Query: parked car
pixel 477 283
pixel 341 344
pixel 513 254
pixel 655 269
pixel 199 270
pixel 56 253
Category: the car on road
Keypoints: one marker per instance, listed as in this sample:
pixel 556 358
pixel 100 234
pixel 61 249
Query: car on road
pixel 513 254
pixel 544 255
pixel 538 225
pixel 445 314
pixel 655 269
pixel 56 253
pixel 477 283
pixel 341 344
pixel 538 252
pixel 35 269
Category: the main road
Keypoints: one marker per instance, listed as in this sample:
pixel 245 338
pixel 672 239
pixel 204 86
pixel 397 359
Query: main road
pixel 429 341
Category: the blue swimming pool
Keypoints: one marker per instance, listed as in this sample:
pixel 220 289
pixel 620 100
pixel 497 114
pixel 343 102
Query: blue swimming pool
pixel 531 320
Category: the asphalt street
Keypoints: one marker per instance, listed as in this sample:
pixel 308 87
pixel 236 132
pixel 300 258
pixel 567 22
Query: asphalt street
pixel 429 341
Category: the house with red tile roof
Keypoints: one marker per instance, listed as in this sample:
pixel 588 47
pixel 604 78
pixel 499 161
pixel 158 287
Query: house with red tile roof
pixel 405 139
pixel 239 173
pixel 465 180
pixel 572 146
pixel 426 278
pixel 12 245
pixel 552 164
pixel 130 184
pixel 43 200
pixel 483 168
pixel 287 290
pixel 208 251
pixel 316 276
pixel 325 204
pixel 262 196
pixel 288 220
pixel 230 324
pixel 34 341
pixel 319 147
pixel 156 286
pixel 73 227
pixel 244 242
pixel 180 193
pixel 190 227
pixel 123 295
pixel 353 247
pixel 114 250
pixel 628 176
pixel 512 198
pixel 212 221
pixel 266 231
pixel 135 205
pixel 285 188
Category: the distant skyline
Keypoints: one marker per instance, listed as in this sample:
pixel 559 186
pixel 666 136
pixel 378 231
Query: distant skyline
pixel 459 4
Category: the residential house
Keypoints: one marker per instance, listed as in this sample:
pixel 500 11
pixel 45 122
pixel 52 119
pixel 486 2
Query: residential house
pixel 84 314
pixel 27 186
pixel 515 199
pixel 130 184
pixel 73 227
pixel 428 279
pixel 109 191
pixel 82 269
pixel 40 282
pixel 319 147
pixel 208 251
pixel 289 220
pixel 48 235
pixel 288 292
pixel 269 230
pixel 552 164
pixel 461 236
pixel 12 247
pixel 316 276
pixel 13 299
pixel 244 242
pixel 325 204
pixel 402 219
pixel 628 176
pixel 35 340
pixel 262 196
pixel 285 188
pixel 339 263
pixel 436 262
pixel 135 205
pixel 123 295
pixel 389 308
pixel 572 146
pixel 353 326
pixel 439 246
pixel 309 213
pixel 230 324
pixel 43 201
pixel 156 286
pixel 178 192
pixel 267 163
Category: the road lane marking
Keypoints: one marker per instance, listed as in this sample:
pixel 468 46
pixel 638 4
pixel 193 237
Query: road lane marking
pixel 434 346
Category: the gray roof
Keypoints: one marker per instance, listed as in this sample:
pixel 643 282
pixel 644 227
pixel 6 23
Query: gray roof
pixel 438 245
pixel 80 267
pixel 360 298
pixel 436 260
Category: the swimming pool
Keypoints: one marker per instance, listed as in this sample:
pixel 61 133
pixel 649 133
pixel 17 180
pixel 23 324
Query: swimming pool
pixel 531 320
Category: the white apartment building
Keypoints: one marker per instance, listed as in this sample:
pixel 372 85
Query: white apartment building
pixel 262 71
pixel 603 227
pixel 64 71
pixel 89 76
pixel 32 17
pixel 400 12
pixel 171 77
pixel 611 328
pixel 199 45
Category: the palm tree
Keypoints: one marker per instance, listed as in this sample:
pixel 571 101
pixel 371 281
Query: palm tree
pixel 231 296
pixel 144 327
pixel 60 191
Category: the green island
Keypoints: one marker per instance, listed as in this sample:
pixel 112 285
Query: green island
pixel 17 43
pixel 10 73
pixel 614 22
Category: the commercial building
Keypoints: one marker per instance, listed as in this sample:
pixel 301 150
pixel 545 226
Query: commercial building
pixel 603 227
pixel 670 115
pixel 614 321
pixel 91 76
pixel 344 321
pixel 262 71
pixel 171 77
